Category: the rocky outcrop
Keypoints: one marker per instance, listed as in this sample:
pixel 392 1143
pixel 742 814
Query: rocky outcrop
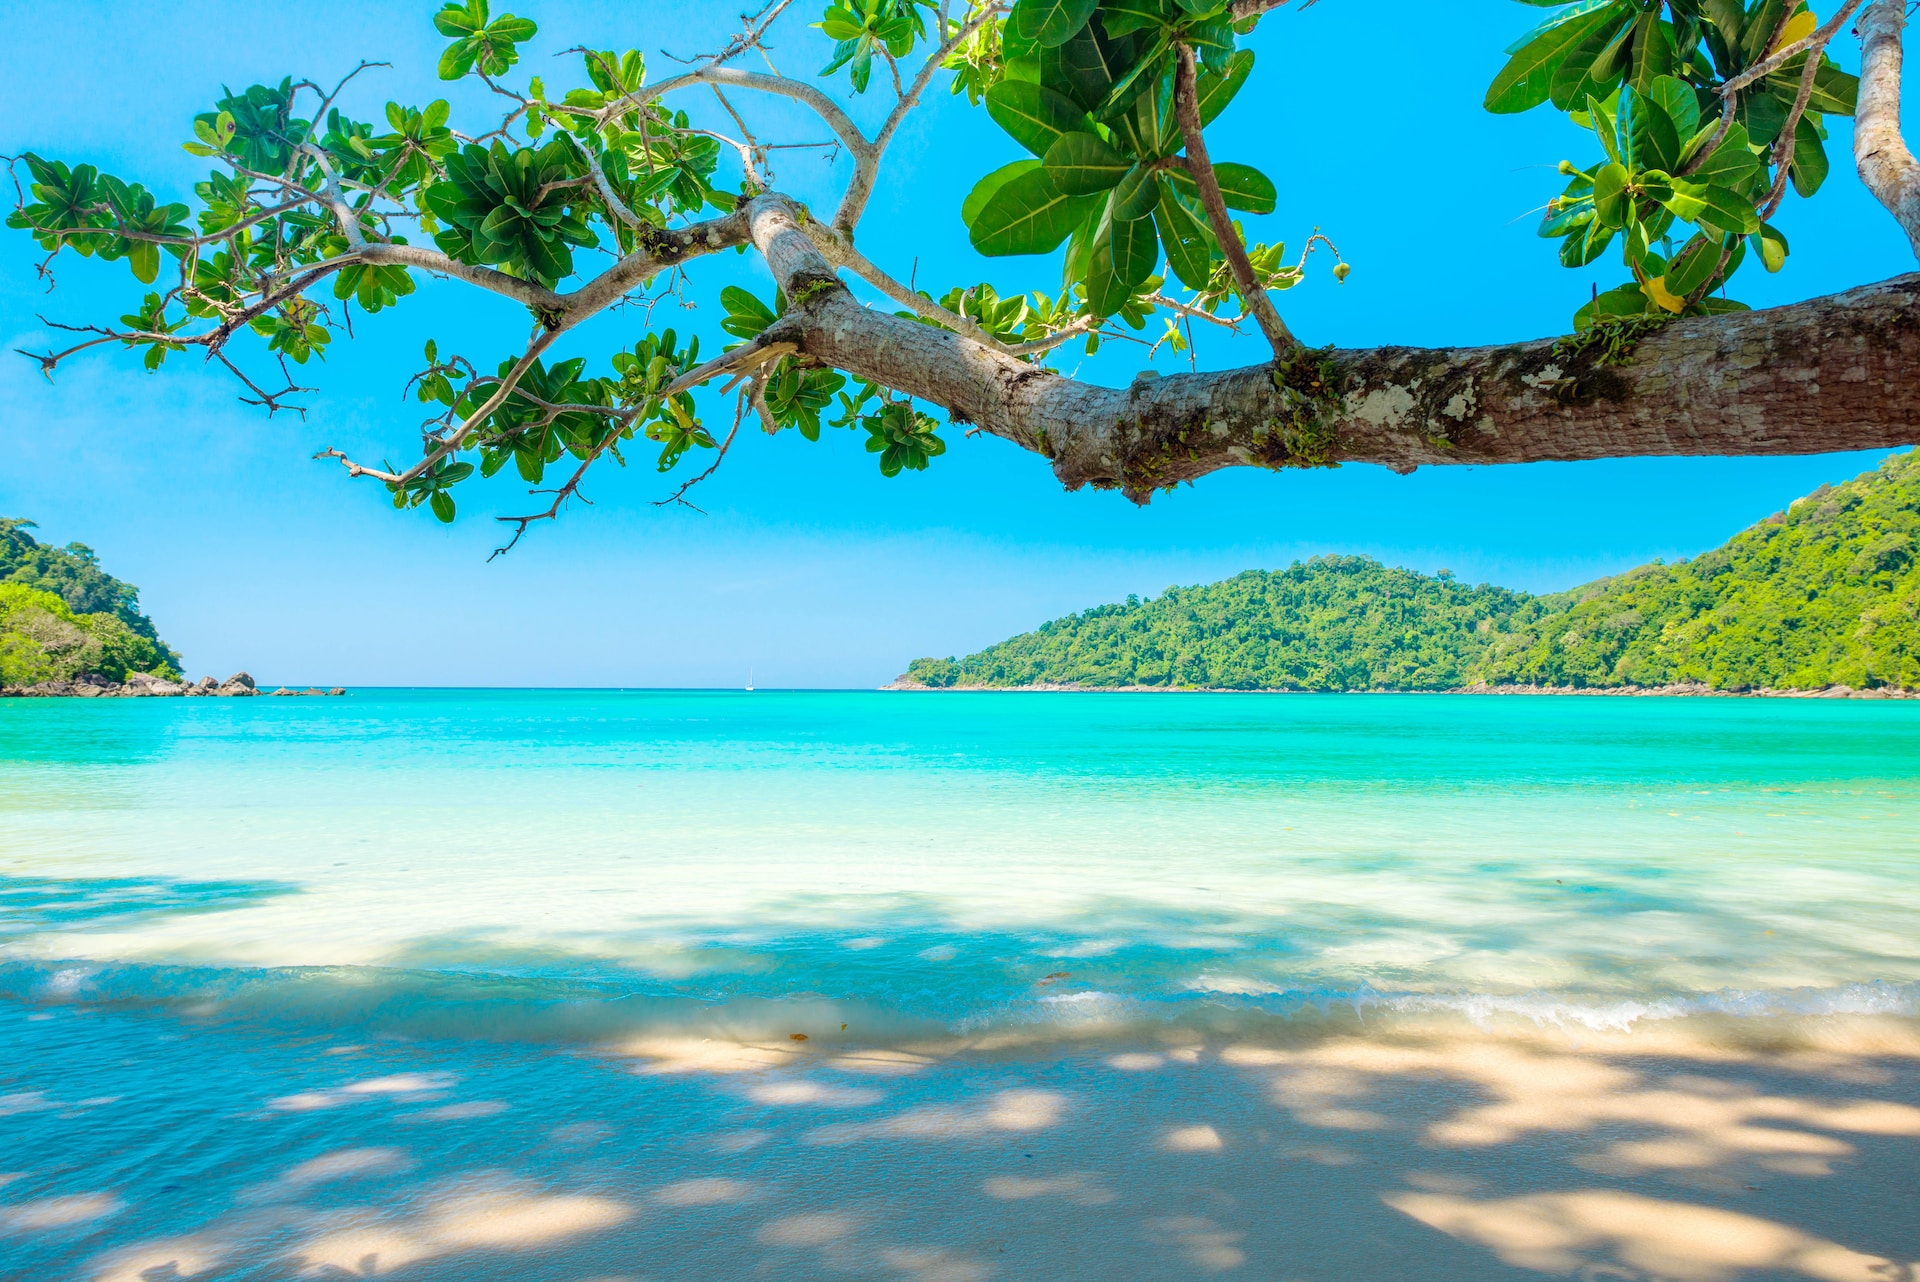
pixel 142 685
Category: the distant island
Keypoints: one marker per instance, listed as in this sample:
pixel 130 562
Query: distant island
pixel 1823 597
pixel 67 627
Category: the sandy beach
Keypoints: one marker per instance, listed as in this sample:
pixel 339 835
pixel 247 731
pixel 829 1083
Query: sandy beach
pixel 1696 1152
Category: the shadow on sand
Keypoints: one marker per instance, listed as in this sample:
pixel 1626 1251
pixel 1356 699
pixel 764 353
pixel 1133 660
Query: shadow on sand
pixel 1420 1149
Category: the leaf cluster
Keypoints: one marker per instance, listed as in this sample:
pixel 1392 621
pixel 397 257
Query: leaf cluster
pixel 1690 169
pixel 1087 87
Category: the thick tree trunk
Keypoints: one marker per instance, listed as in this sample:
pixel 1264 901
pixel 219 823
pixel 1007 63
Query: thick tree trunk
pixel 1886 165
pixel 1837 373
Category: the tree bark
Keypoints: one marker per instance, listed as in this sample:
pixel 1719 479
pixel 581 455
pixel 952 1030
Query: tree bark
pixel 1835 373
pixel 1186 110
pixel 1886 165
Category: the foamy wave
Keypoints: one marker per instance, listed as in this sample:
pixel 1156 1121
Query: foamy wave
pixel 510 1007
pixel 1558 1010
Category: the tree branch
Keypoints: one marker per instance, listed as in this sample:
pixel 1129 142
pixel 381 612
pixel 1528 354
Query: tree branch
pixel 1783 146
pixel 679 496
pixel 1886 166
pixel 865 172
pixel 1187 109
pixel 1816 40
pixel 1838 373
pixel 1244 9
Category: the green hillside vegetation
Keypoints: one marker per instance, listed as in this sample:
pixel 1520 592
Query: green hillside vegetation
pixel 1826 593
pixel 62 616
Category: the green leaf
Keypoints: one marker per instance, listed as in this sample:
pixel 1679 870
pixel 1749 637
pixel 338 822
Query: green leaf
pixel 1610 64
pixel 1656 140
pixel 1523 83
pixel 1082 164
pixel 1051 23
pixel 841 24
pixel 1652 51
pixel 1627 300
pixel 1034 115
pixel 1609 195
pixel 1241 186
pixel 456 62
pixel 1808 168
pixel 1143 132
pixel 442 505
pixel 1148 72
pixel 1586 245
pixel 1635 250
pixel 984 189
pixel 457 20
pixel 1712 206
pixel 1575 81
pixel 1087 67
pixel 1121 17
pixel 1188 242
pixel 1835 92
pixel 1124 255
pixel 1244 187
pixel 746 315
pixel 1606 127
pixel 1730 16
pixel 1682 105
pixel 1075 262
pixel 1213 41
pixel 1135 248
pixel 1028 215
pixel 1759 27
pixel 1213 92
pixel 1566 220
pixel 1137 194
pixel 1732 163
pixel 144 259
pixel 1694 265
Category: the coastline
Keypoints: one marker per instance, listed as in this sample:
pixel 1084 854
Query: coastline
pixel 1685 690
pixel 142 685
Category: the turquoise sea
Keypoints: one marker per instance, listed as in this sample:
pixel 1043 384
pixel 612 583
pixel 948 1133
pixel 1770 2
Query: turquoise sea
pixel 344 913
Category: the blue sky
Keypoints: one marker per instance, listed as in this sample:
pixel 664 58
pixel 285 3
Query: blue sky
pixel 809 567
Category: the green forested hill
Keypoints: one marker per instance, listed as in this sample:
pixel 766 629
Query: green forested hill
pixel 1332 623
pixel 1825 593
pixel 61 615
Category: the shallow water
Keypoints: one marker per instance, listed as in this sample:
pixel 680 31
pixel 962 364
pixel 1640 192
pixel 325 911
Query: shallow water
pixel 557 865
pixel 507 985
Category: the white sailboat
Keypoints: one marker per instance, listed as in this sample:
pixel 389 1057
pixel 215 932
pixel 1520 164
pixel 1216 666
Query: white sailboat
pixel 749 680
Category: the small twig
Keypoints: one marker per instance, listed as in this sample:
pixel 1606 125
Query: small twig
pixel 269 401
pixel 1189 311
pixel 679 496
pixel 1253 295
pixel 1783 147
pixel 614 203
pixel 1816 40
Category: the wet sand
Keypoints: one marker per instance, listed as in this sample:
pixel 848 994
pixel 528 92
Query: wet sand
pixel 1697 1151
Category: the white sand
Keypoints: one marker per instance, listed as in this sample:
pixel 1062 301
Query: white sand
pixel 1432 1150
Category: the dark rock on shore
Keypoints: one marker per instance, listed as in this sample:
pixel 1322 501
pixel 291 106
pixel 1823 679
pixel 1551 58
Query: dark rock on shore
pixel 142 685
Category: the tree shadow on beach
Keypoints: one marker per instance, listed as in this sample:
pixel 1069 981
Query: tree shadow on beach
pixel 32 905
pixel 1428 1149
